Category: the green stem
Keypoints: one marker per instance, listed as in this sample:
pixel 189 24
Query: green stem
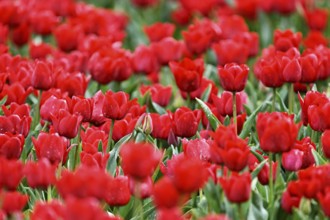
pixel 110 136
pixel 36 117
pixel 77 150
pixel 274 99
pixel 188 100
pixel 235 112
pixel 291 98
pixel 271 185
pixel 240 211
pixel 49 193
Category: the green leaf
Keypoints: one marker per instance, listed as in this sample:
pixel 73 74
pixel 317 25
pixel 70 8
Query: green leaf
pixel 318 158
pixel 227 121
pixel 251 121
pixel 206 94
pixel 114 153
pixel 257 210
pixel 282 105
pixel 257 170
pixel 214 122
pixel 159 109
pixel 257 155
pixel 3 100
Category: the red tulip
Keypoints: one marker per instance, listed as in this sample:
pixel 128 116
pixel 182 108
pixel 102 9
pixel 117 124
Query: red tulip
pixel 165 194
pixel 75 84
pixel 232 26
pixel 318 116
pixel 204 7
pixel 306 146
pixel 292 160
pixel 92 138
pixel 123 127
pixel 317 19
pixel 83 107
pixel 11 173
pixel 197 148
pixel 200 35
pixel 247 8
pixel 263 175
pixel 284 40
pixel 52 147
pixel 66 124
pixel 97 160
pixel 315 39
pixel 185 122
pixel 309 65
pixel 161 125
pixel 117 191
pixel 277 131
pixel 188 74
pixel 288 201
pixel 144 3
pixel 233 77
pixel 15 93
pixel 173 214
pixel 325 202
pixel 231 51
pixel 325 140
pixel 44 210
pixel 139 160
pixel 145 60
pixel 158 31
pixel 168 49
pixel 13 202
pixel 201 90
pixel 40 174
pixel 21 34
pixel 40 51
pixel 116 105
pixel 11 145
pixel 67 36
pixel 159 94
pixel 52 106
pixel 43 21
pixel 237 187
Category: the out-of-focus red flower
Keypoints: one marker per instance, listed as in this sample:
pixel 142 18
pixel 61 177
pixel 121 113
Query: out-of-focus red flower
pixel 15 124
pixel 277 131
pixel 185 122
pixel 314 39
pixel 40 51
pixel 43 21
pixel 21 34
pixel 232 26
pixel 292 160
pixel 204 7
pixel 235 154
pixel 67 36
pixel 237 187
pixel 224 103
pixel 52 147
pixel 110 64
pixel 11 173
pixel 40 174
pixel 229 51
pixel 325 202
pixel 97 115
pixel 325 140
pixel 317 18
pixel 13 202
pixel 168 49
pixel 158 31
pixel 4 30
pixel 43 76
pixel 161 125
pixel 173 214
pixel 116 105
pixel 247 8
pixel 145 60
pixel 288 201
pixel 200 91
pixel 141 189
pixel 11 145
pixel 182 170
pixel 188 73
pixel 306 146
pixel 139 160
pixel 181 16
pixel 251 39
pixel 144 3
pixel 233 77
pixel 200 35
pixel 263 176
pixel 165 194
pixel 117 191
pixel 284 40
pixel 159 94
pixel 216 217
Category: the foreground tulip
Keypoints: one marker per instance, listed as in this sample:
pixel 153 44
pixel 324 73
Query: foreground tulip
pixel 158 31
pixel 11 145
pixel 325 140
pixel 277 131
pixel 116 105
pixel 233 77
pixel 165 195
pixel 185 122
pixel 40 174
pixel 237 188
pixel 11 173
pixel 52 147
pixel 139 160
pixel 188 74
pixel 66 124
pixel 13 201
pixel 43 77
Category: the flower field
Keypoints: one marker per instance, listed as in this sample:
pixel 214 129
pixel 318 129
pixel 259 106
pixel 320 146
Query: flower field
pixel 164 109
